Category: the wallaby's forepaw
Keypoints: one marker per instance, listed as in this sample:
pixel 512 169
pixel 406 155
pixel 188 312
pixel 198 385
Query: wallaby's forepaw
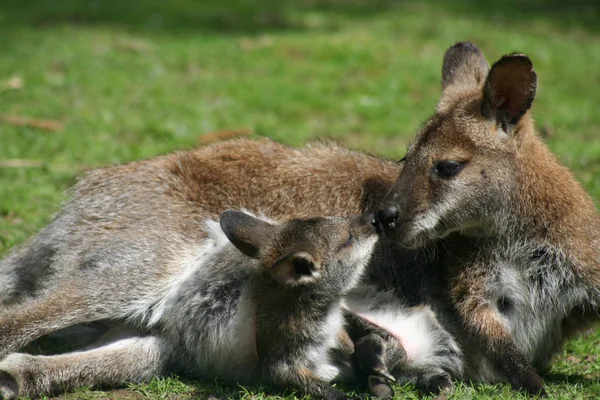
pixel 9 389
pixel 380 388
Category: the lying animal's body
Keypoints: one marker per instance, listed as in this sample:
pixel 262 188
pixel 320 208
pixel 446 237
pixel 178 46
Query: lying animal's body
pixel 134 244
pixel 171 184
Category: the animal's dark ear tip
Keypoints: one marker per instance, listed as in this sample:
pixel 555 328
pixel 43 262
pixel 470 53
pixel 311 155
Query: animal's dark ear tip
pixel 466 44
pixel 516 58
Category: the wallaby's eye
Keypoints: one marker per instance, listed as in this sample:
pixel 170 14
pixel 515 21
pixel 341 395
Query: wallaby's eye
pixel 348 242
pixel 448 168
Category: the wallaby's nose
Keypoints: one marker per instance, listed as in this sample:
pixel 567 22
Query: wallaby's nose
pixel 387 217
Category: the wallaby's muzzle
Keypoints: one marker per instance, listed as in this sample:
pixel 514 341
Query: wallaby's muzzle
pixel 390 225
pixel 386 218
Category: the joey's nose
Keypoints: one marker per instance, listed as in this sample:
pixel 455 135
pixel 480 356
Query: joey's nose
pixel 387 217
pixel 364 225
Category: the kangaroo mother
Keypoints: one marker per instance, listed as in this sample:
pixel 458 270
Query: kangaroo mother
pixel 520 237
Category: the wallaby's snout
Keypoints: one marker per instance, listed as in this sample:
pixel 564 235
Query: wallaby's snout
pixel 393 222
pixel 386 218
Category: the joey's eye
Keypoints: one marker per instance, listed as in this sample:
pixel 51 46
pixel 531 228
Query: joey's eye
pixel 448 168
pixel 348 242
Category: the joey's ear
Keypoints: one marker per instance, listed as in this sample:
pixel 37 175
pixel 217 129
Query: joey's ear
pixel 296 268
pixel 509 90
pixel 246 233
pixel 464 65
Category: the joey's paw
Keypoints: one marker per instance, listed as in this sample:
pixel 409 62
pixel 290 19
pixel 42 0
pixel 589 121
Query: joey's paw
pixel 9 389
pixel 380 388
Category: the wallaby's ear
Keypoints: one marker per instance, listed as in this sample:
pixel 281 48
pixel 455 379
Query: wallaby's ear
pixel 246 233
pixel 464 65
pixel 509 90
pixel 296 268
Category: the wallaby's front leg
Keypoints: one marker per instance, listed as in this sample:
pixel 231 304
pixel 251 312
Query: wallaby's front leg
pixel 126 360
pixel 484 324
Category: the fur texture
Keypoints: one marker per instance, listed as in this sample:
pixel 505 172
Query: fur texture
pixel 505 252
pixel 211 310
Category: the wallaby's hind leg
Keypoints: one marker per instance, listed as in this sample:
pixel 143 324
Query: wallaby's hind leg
pixel 376 354
pixel 126 360
pixel 59 308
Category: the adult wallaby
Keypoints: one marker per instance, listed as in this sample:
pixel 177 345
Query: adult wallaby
pixel 517 237
pixel 270 315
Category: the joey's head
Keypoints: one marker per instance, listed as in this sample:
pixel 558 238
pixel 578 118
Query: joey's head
pixel 322 253
pixel 460 172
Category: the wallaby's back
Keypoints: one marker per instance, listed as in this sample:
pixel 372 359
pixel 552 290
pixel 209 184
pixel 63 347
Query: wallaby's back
pixel 175 193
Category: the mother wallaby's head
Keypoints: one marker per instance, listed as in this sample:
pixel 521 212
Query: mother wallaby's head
pixel 460 172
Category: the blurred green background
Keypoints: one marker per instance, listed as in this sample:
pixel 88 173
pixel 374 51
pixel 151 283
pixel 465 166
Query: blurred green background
pixel 124 80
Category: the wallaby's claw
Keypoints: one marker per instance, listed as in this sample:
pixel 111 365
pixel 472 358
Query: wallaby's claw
pixel 9 389
pixel 384 374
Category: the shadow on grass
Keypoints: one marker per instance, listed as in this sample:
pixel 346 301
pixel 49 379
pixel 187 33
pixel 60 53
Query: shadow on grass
pixel 256 16
pixel 570 379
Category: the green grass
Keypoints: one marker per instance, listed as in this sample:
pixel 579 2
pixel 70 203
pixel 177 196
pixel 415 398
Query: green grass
pixel 132 79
